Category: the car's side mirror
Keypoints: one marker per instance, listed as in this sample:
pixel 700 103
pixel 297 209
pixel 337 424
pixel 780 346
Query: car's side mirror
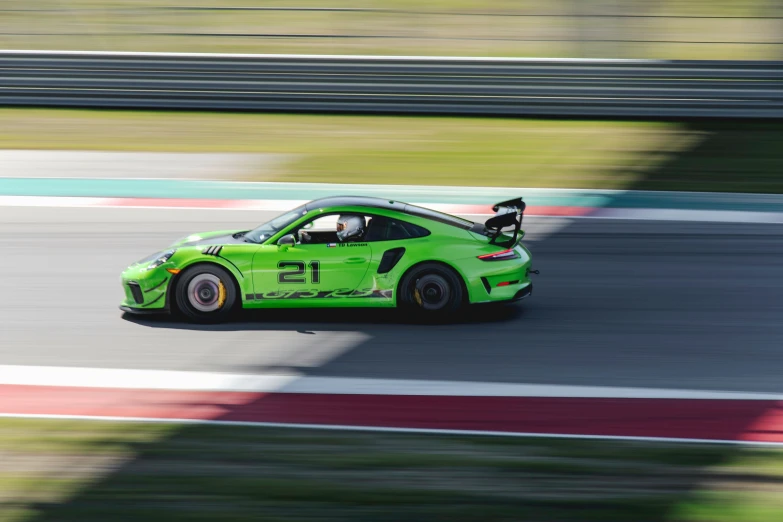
pixel 286 241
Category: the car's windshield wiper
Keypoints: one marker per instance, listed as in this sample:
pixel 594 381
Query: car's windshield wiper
pixel 260 239
pixel 243 235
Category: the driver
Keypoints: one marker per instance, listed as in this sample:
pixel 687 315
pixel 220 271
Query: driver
pixel 350 228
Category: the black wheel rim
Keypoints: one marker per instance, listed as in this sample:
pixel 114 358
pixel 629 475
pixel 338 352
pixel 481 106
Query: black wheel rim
pixel 431 292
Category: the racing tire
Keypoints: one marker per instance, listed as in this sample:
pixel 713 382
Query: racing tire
pixel 431 292
pixel 205 293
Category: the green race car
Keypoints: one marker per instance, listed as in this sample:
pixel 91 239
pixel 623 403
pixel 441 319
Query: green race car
pixel 339 252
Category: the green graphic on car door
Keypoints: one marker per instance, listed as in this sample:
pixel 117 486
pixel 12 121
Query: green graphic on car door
pixel 302 271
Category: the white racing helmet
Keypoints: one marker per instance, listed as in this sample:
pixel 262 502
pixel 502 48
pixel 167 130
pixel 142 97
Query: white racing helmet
pixel 349 227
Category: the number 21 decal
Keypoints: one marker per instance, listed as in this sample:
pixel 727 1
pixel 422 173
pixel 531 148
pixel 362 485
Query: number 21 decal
pixel 294 272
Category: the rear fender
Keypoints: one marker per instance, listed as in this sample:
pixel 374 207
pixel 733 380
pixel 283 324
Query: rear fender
pixel 460 275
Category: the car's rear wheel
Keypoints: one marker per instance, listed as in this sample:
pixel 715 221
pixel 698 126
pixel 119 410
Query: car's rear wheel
pixel 205 293
pixel 431 291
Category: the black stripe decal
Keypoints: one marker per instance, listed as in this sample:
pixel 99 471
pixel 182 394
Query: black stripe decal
pixel 250 297
pixel 156 286
pixel 153 301
pixel 215 250
pixel 324 294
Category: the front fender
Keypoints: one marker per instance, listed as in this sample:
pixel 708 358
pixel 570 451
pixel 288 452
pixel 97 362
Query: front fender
pixel 236 259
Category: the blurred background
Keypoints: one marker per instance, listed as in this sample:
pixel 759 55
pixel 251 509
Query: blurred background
pixel 654 175
pixel 670 29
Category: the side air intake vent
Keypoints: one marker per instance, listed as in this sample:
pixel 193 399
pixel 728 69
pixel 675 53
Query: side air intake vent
pixel 390 259
pixel 135 289
pixel 486 284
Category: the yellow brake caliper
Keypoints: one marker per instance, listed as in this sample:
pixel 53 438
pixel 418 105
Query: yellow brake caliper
pixel 221 294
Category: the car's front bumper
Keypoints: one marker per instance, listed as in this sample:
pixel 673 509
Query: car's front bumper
pixel 143 311
pixel 145 291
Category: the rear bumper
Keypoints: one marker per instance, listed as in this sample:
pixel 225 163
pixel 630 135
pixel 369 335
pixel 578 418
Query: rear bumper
pixel 510 285
pixel 498 281
pixel 523 293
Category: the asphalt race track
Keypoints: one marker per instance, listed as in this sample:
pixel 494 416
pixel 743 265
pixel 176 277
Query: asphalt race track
pixel 618 303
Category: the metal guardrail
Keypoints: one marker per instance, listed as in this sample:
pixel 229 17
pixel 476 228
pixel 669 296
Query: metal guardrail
pixel 414 85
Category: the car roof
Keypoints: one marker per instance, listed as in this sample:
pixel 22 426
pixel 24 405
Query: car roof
pixel 355 201
pixel 388 204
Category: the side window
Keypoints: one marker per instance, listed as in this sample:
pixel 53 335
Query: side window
pixel 320 230
pixel 414 231
pixel 389 229
pixel 322 223
pixel 323 229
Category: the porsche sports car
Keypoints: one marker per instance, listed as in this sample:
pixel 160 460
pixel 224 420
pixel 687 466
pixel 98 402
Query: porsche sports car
pixel 345 251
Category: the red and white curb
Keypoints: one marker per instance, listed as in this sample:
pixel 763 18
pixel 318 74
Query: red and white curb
pixel 391 405
pixel 247 204
pixel 642 214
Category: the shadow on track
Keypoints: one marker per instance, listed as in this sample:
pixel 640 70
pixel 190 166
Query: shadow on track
pixel 380 343
pixel 334 319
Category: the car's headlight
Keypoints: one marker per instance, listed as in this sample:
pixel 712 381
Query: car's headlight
pixel 158 259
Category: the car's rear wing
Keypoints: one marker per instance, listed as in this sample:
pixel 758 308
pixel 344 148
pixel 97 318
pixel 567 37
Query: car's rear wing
pixel 507 213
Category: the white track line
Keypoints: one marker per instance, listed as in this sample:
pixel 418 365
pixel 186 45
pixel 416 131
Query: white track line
pixel 53 201
pixel 373 58
pixel 422 431
pixel 294 383
pixel 712 216
pixel 142 379
pixel 359 386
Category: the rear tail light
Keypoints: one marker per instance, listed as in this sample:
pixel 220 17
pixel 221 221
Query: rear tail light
pixel 500 256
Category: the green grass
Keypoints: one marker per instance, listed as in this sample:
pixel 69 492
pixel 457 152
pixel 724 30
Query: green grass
pixel 137 471
pixel 141 25
pixel 722 506
pixel 740 157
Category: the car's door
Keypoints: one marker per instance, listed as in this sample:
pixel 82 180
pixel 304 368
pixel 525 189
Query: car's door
pixel 319 270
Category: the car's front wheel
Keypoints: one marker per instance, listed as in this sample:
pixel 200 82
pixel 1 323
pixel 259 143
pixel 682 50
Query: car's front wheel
pixel 431 291
pixel 205 293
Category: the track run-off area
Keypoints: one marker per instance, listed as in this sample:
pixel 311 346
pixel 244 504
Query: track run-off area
pixel 639 326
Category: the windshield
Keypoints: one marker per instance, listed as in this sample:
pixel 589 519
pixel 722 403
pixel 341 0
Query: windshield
pixel 267 230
